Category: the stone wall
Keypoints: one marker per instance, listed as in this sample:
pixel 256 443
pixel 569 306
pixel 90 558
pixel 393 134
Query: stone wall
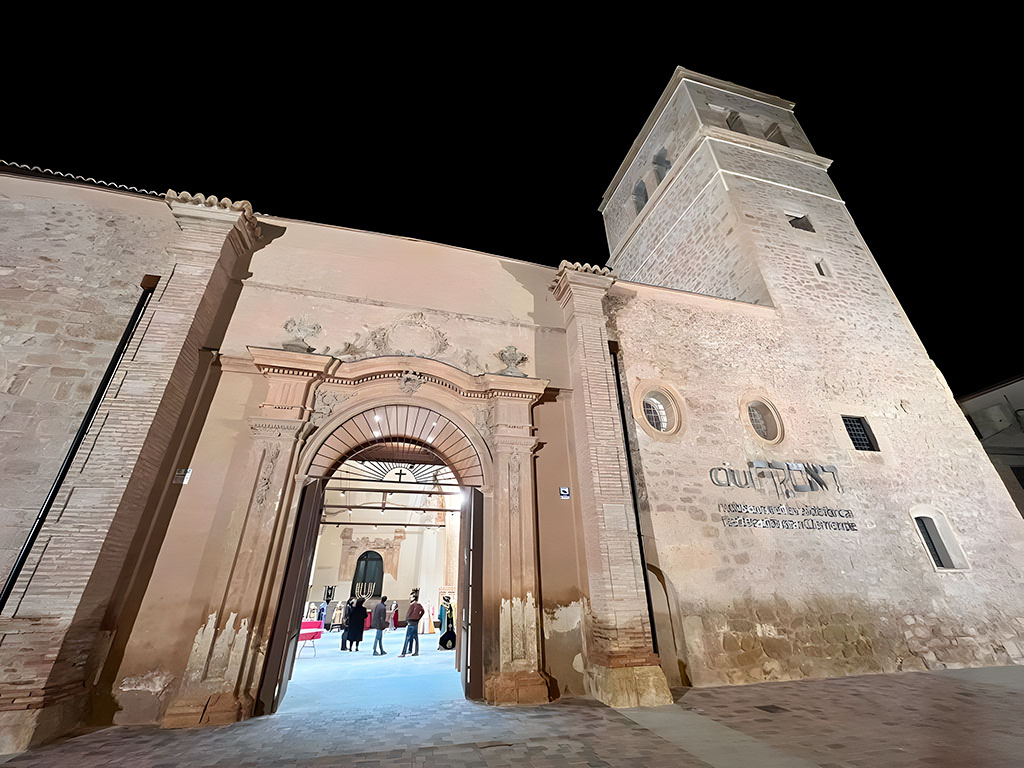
pixel 771 575
pixel 757 603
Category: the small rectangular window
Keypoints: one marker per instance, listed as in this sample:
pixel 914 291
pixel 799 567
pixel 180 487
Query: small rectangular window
pixel 933 542
pixel 798 221
pixel 860 433
pixel 822 268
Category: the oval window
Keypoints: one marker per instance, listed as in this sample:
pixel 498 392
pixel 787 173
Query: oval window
pixel 764 420
pixel 656 413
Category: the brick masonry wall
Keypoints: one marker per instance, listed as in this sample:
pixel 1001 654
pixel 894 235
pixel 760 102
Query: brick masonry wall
pixel 102 244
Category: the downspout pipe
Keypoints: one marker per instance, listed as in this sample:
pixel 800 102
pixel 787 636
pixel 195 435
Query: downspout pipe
pixel 148 285
pixel 613 349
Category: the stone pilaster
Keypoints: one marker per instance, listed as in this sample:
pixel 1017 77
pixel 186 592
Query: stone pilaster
pixel 621 668
pixel 228 654
pixel 520 678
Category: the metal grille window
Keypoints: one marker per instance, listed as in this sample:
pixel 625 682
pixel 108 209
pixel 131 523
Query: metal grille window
pixel 933 542
pixel 764 420
pixel 860 433
pixel 655 414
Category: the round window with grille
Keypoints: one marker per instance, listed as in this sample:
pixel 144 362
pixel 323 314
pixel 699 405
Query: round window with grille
pixel 764 420
pixel 656 408
pixel 656 413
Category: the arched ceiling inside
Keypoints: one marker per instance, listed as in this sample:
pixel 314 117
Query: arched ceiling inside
pixel 389 436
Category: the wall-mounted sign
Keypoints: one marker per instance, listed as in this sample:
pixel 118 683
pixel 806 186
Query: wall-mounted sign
pixel 181 476
pixel 785 518
pixel 784 478
pixel 563 493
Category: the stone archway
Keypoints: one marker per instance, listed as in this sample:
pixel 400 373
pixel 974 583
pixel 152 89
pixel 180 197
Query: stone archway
pixel 310 397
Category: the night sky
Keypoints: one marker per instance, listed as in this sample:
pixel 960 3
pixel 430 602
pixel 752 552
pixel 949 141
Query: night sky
pixel 509 152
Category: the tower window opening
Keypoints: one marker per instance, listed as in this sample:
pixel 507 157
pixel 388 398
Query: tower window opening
pixel 774 133
pixel 800 221
pixel 662 165
pixel 860 433
pixel 735 122
pixel 639 195
pixel 822 268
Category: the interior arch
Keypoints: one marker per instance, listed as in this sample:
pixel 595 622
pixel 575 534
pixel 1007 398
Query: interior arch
pixel 400 433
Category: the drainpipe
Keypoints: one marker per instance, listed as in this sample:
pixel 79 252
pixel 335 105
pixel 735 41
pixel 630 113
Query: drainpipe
pixel 613 349
pixel 148 284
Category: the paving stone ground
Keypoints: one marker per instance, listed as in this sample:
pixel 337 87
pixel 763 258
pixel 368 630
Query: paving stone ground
pixel 966 719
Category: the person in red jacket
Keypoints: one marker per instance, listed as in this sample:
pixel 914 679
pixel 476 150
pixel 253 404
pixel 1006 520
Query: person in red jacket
pixel 412 622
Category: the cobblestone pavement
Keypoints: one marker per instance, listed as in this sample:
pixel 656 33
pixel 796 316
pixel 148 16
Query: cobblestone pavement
pixel 968 719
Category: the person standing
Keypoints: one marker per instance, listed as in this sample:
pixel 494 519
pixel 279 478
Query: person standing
pixel 412 621
pixel 356 619
pixel 344 624
pixel 380 623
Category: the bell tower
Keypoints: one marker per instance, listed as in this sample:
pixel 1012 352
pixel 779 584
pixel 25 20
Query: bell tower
pixel 719 175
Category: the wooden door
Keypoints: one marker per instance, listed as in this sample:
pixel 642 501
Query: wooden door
pixel 470 639
pixel 284 638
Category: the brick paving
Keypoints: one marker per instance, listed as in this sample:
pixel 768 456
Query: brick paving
pixel 882 721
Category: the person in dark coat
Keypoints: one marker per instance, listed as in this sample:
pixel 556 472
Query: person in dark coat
pixel 344 624
pixel 356 621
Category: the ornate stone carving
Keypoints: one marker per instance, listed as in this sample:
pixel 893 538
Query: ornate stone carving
pixel 412 335
pixel 512 358
pixel 469 363
pixel 324 403
pixel 300 328
pixel 265 483
pixel 410 382
pixel 483 421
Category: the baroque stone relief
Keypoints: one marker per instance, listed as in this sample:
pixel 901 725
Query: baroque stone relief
pixel 414 335
pixel 410 382
pixel 301 328
pixel 483 420
pixel 512 358
pixel 325 401
pixel 263 485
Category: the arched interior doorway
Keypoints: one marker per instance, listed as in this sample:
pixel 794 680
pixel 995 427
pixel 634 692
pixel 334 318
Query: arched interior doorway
pixel 382 516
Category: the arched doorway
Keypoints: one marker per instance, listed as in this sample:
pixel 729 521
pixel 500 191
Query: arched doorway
pixel 317 411
pixel 394 478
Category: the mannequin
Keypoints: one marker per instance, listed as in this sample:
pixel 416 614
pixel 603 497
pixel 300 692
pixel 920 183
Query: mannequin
pixel 447 614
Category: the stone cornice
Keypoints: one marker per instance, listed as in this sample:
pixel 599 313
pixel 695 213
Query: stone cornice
pixel 216 208
pixel 261 426
pixel 755 142
pixel 585 277
pixel 286 363
pixel 483 386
